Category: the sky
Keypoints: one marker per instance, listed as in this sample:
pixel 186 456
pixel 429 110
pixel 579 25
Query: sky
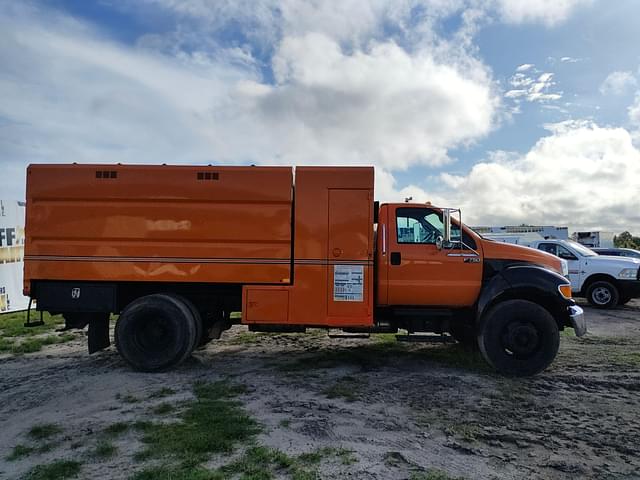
pixel 512 110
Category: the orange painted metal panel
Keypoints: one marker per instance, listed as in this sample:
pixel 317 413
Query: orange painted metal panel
pixel 333 212
pixel 499 250
pixel 382 256
pixel 351 244
pixel 266 305
pixel 160 223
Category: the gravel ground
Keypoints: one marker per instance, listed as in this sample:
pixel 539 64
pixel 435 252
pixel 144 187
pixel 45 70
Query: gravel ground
pixel 402 409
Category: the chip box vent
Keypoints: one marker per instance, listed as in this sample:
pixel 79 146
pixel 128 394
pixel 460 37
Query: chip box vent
pixel 106 174
pixel 207 176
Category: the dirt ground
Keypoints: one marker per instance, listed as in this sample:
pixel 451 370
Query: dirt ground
pixel 403 409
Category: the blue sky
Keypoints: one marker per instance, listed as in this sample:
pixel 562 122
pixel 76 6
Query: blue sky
pixel 517 111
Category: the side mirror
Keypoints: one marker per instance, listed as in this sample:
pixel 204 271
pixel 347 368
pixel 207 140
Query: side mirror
pixel 439 242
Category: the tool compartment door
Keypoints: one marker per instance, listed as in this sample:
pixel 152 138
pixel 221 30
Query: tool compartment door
pixel 350 254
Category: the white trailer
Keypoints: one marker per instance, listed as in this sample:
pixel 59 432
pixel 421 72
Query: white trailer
pixel 11 256
pixel 595 239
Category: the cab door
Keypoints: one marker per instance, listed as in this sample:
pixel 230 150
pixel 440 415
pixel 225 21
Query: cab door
pixel 575 269
pixel 418 273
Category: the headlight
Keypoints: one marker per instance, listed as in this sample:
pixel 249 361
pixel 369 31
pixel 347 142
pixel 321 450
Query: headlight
pixel 565 267
pixel 628 273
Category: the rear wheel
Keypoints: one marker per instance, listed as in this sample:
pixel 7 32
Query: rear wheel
pixel 196 317
pixel 519 338
pixel 603 294
pixel 155 332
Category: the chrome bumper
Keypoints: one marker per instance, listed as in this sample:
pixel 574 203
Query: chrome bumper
pixel 579 324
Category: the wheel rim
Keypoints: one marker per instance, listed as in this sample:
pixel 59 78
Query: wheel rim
pixel 521 339
pixel 153 334
pixel 601 295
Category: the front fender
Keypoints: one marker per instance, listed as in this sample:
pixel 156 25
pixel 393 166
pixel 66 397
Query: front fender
pixel 527 282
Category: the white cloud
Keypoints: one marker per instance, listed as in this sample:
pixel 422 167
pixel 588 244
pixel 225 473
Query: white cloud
pixel 526 86
pixel 571 177
pixel 617 83
pixel 71 95
pixel 548 12
pixel 524 67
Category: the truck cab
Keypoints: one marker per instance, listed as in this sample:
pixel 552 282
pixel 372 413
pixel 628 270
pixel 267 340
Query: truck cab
pixel 605 281
pixel 436 274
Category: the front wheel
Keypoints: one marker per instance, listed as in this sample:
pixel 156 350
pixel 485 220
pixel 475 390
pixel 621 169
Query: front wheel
pixel 603 294
pixel 624 300
pixel 519 338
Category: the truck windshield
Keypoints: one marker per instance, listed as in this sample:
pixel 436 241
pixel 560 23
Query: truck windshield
pixel 581 249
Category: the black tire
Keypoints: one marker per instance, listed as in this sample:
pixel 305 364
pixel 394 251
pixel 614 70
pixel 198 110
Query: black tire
pixel 519 338
pixel 196 317
pixel 624 300
pixel 155 332
pixel 464 334
pixel 603 294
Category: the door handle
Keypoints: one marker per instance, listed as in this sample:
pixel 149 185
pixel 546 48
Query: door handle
pixel 396 258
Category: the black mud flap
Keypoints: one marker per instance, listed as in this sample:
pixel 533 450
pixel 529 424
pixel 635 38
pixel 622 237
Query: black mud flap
pixel 99 332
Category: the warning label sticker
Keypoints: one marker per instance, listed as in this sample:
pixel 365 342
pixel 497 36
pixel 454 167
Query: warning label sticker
pixel 348 283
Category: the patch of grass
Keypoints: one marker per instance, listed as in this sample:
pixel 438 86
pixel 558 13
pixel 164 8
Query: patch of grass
pixel 258 463
pixel 384 337
pixel 171 472
pixel 128 398
pixel 567 332
pixel 626 358
pixel 30 344
pixel 116 429
pixel 261 463
pixel 20 451
pixel 44 430
pixel 12 324
pixel 346 456
pixel 57 470
pixel 285 423
pixel 464 431
pixel 245 338
pixel 213 423
pixel 142 425
pixel 104 450
pixel 163 392
pixel 347 387
pixel 35 344
pixel 163 409
pixel 375 355
pixel 433 474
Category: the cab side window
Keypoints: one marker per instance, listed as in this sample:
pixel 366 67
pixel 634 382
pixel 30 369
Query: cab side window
pixel 566 254
pixel 412 226
pixel 424 226
pixel 549 248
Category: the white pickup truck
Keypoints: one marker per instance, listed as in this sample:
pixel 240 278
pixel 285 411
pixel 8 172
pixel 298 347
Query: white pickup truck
pixel 605 281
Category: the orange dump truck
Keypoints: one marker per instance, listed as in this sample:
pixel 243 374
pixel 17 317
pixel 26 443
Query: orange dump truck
pixel 175 249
